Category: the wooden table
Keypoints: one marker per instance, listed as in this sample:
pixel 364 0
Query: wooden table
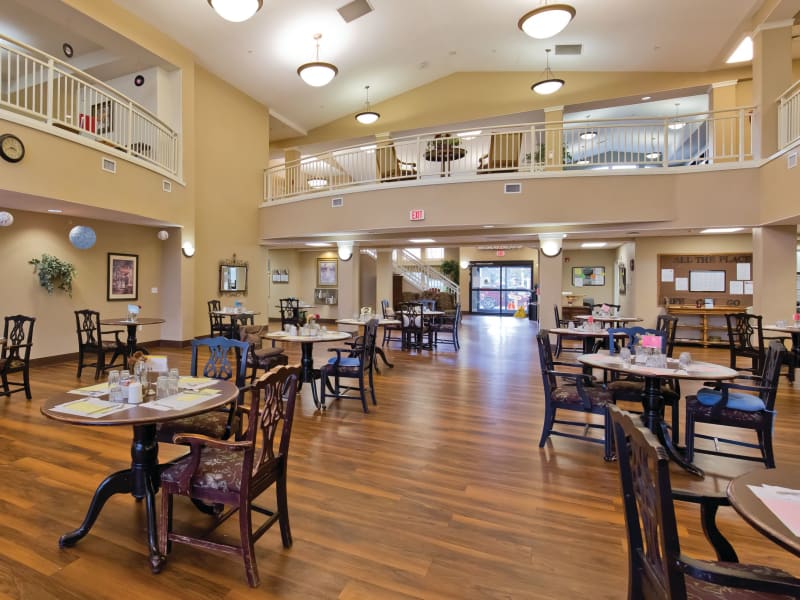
pixel 614 321
pixel 132 325
pixel 753 510
pixel 234 316
pixel 792 330
pixel 142 479
pixel 308 374
pixel 588 336
pixel 652 400
pixel 381 323
pixel 444 153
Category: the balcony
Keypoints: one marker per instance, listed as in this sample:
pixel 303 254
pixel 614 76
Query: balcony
pixel 699 140
pixel 41 91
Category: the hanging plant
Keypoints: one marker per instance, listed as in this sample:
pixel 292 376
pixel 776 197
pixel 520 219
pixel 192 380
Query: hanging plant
pixel 54 273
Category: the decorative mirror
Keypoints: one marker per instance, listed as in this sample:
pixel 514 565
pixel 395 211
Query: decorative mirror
pixel 233 277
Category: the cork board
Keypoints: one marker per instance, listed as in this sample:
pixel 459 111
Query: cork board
pixel 705 280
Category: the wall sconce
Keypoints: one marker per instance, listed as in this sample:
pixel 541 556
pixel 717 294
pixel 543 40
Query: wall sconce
pixel 550 243
pixel 188 249
pixel 464 264
pixel 345 250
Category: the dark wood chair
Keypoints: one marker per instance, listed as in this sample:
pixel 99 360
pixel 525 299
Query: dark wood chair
pixel 259 357
pixel 15 356
pixel 413 325
pixel 668 326
pixel 616 307
pixel 91 344
pixel 657 569
pixel 571 391
pixel 235 474
pixel 354 363
pixel 729 404
pixel 391 333
pixel 290 312
pixel 742 329
pixel 445 329
pixel 216 322
pixel 227 359
pixel 239 321
pixel 561 337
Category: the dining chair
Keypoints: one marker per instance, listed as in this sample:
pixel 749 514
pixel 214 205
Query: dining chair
pixel 356 362
pixel 290 312
pixel 657 568
pixel 216 323
pixel 390 168
pixel 226 359
pixel 91 344
pixel 503 155
pixel 445 329
pixel 571 391
pixel 561 337
pixel 741 405
pixel 15 355
pixel 259 357
pixel 391 333
pixel 746 340
pixel 235 474
pixel 413 325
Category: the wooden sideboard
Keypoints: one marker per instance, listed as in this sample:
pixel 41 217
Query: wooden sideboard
pixel 705 326
pixel 569 312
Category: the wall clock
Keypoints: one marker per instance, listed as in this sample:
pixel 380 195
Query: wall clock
pixel 11 148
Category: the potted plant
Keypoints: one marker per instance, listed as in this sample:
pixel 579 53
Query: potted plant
pixel 539 155
pixel 54 273
pixel 450 269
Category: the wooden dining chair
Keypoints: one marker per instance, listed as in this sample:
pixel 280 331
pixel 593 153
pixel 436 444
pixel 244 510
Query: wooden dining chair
pixel 356 362
pixel 745 340
pixel 561 337
pixel 236 473
pixel 657 568
pixel 92 346
pixel 15 356
pixel 290 312
pixel 503 155
pixel 216 323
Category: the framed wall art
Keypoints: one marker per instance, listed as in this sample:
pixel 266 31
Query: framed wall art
pixel 623 279
pixel 123 276
pixel 583 276
pixel 327 272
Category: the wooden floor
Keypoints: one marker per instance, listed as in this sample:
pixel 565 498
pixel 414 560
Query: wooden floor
pixel 440 492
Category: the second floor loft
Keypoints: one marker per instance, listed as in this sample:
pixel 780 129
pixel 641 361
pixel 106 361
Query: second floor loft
pixel 42 91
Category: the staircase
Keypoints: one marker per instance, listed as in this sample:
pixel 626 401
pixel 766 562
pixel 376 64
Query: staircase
pixel 419 275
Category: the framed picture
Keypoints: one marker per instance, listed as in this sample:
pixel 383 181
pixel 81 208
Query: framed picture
pixel 623 282
pixel 583 276
pixel 123 276
pixel 327 272
pixel 103 117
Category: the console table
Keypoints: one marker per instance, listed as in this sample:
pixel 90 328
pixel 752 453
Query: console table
pixel 569 312
pixel 701 325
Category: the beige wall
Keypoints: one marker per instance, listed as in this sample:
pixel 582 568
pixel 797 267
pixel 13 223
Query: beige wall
pixel 590 258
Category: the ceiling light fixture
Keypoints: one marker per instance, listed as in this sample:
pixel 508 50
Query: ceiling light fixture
pixel 367 116
pixel 236 11
pixel 677 123
pixel 588 135
pixel 344 250
pixel 464 264
pixel 318 244
pixel 188 249
pixel 594 244
pixel 721 230
pixel 550 83
pixel 546 21
pixel 317 73
pixel 550 243
pixel 316 182
pixel 653 155
pixel 421 240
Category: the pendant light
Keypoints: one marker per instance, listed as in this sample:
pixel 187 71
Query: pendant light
pixel 546 21
pixel 550 83
pixel 367 116
pixel 677 123
pixel 236 11
pixel 317 73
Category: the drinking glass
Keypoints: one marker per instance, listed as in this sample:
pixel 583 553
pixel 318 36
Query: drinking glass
pixel 172 381
pixel 162 387
pixel 114 390
pixel 684 360
pixel 625 355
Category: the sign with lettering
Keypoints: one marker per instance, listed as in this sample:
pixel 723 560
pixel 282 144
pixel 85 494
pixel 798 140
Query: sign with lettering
pixel 416 214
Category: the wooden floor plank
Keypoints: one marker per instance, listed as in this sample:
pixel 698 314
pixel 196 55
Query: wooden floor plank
pixel 439 493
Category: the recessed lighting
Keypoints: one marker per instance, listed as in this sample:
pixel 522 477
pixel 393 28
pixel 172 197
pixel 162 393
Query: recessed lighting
pixel 488 226
pixel 743 52
pixel 55 210
pixel 721 230
pixel 319 244
pixel 368 148
pixel 470 133
pixel 421 240
pixel 623 167
pixel 645 98
pixel 594 244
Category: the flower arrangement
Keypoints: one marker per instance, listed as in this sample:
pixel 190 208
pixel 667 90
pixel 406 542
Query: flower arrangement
pixel 137 357
pixel 312 319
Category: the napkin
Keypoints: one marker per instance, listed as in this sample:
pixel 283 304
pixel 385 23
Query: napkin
pixel 783 502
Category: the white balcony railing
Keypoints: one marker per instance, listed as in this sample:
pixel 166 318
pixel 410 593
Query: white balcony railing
pixel 43 88
pixel 531 148
pixel 789 116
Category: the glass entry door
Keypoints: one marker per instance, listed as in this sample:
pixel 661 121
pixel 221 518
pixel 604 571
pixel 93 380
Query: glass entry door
pixel 500 288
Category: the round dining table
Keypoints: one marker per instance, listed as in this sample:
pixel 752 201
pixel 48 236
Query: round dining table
pixel 132 326
pixel 652 398
pixel 754 511
pixel 308 374
pixel 381 323
pixel 143 478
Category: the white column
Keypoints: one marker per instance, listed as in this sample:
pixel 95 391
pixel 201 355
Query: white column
pixel 774 276
pixel 549 287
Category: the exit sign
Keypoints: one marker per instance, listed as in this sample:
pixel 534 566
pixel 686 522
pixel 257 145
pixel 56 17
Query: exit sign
pixel 416 214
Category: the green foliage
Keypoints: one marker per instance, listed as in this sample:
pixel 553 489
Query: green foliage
pixel 54 273
pixel 539 155
pixel 451 269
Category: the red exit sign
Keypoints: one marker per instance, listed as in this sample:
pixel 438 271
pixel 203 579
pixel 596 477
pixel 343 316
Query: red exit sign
pixel 416 214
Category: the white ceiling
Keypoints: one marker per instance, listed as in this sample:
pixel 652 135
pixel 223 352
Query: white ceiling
pixel 404 44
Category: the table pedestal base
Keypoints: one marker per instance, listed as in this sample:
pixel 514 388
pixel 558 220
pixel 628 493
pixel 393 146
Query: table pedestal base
pixel 141 481
pixel 307 372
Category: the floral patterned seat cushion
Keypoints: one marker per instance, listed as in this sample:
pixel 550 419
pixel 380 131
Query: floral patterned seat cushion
pixel 218 470
pixel 569 395
pixel 212 424
pixel 728 416
pixel 630 388
pixel 700 590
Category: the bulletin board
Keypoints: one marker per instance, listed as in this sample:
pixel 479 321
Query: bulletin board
pixel 706 280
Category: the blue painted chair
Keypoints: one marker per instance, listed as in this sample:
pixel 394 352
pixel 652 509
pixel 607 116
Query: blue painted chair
pixel 356 362
pixel 739 405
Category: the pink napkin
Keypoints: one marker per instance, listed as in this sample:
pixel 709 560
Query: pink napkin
pixel 651 341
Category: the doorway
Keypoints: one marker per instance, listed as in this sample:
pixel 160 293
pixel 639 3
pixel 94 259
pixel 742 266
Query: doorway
pixel 500 288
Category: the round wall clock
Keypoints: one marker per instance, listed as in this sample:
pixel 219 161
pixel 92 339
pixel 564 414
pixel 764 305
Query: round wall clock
pixel 11 148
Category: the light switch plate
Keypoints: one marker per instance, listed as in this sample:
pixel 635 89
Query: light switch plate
pixel 153 290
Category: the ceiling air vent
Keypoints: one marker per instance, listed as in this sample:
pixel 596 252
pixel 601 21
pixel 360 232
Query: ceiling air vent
pixel 791 160
pixel 166 186
pixel 569 49
pixel 353 10
pixel 512 188
pixel 108 165
pixel 337 202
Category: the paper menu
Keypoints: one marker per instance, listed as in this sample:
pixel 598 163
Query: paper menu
pixel 185 399
pixel 783 502
pixel 92 408
pixel 98 389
